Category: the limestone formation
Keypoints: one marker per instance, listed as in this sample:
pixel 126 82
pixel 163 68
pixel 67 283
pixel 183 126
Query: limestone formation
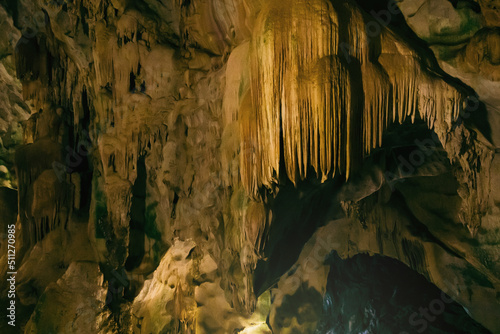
pixel 250 166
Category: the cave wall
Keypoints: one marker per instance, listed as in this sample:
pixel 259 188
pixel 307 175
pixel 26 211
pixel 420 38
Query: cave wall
pixel 184 161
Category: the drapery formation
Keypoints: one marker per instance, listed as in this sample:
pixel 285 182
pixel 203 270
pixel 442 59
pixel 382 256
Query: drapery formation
pixel 324 89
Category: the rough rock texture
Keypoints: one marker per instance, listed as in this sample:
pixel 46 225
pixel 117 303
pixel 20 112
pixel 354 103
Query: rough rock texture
pixel 231 166
pixel 72 304
pixel 13 110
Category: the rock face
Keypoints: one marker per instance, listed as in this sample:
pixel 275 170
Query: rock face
pixel 13 110
pixel 247 166
pixel 65 306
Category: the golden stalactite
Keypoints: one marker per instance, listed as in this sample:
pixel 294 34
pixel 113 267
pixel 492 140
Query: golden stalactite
pixel 322 99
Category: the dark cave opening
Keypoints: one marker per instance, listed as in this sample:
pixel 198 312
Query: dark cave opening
pixel 373 294
pixel 297 213
pixel 299 210
pixel 377 294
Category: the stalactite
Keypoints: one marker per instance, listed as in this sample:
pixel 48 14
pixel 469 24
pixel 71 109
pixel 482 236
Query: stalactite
pixel 324 92
pixel 105 41
pixel 48 204
pixel 288 89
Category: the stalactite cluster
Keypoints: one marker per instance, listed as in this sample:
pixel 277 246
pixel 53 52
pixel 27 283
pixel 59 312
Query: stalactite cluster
pixel 324 92
pixel 195 165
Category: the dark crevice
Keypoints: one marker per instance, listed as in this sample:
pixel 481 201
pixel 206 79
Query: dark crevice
pixel 11 7
pixel 174 205
pixel 83 15
pixel 137 218
pixel 132 82
pixel 473 5
pixel 296 214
